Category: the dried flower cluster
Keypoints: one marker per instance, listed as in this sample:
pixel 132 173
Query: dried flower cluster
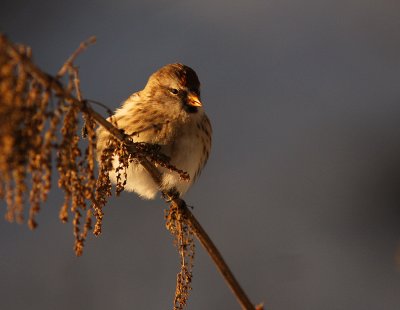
pixel 76 173
pixel 184 241
pixel 40 125
pixel 31 119
pixel 24 145
pixel 103 184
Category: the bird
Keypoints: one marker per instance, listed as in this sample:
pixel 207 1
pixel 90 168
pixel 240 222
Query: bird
pixel 167 112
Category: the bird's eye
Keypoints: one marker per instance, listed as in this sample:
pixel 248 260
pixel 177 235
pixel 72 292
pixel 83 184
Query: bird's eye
pixel 174 91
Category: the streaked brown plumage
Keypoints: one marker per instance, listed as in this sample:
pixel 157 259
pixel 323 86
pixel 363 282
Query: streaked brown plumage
pixel 167 112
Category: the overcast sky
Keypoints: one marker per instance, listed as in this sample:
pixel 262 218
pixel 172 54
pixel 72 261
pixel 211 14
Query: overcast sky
pixel 302 189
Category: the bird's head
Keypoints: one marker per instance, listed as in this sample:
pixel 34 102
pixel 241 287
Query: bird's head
pixel 176 83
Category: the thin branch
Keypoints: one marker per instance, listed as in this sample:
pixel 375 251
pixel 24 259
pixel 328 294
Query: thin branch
pixel 53 83
pixel 215 255
pixel 77 83
pixel 75 54
pixel 109 112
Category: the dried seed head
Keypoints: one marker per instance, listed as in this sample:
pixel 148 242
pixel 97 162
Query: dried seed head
pixel 184 241
pixel 30 118
pixel 103 184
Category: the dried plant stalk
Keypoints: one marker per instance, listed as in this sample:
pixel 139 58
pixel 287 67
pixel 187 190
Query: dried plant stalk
pixel 34 107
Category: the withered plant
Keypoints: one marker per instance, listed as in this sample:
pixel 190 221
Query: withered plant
pixel 43 120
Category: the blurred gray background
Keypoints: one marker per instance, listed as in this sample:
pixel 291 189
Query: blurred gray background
pixel 302 190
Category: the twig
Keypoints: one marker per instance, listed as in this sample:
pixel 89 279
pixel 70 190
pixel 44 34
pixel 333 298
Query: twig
pixel 75 54
pixel 77 83
pixel 109 112
pixel 53 83
pixel 215 255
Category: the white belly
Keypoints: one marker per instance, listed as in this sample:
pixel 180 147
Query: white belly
pixel 186 155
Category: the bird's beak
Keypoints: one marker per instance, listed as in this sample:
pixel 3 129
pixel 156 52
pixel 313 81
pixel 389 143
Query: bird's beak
pixel 193 100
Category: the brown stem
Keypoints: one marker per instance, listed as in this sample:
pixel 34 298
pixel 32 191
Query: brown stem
pixel 75 54
pixel 53 83
pixel 215 255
